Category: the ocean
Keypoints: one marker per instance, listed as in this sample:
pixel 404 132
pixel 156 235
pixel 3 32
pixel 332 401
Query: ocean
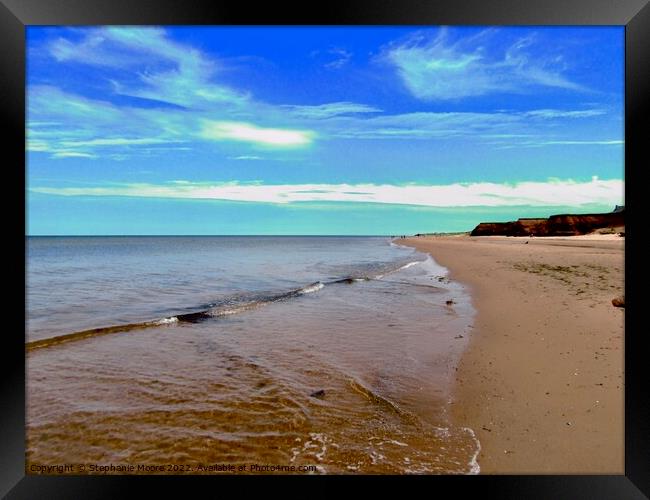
pixel 196 354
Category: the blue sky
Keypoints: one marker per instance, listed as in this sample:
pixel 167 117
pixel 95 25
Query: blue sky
pixel 319 130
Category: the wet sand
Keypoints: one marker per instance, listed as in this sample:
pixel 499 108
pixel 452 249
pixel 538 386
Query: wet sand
pixel 341 379
pixel 541 382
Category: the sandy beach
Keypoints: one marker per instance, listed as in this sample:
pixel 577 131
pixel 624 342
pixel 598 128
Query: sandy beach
pixel 541 382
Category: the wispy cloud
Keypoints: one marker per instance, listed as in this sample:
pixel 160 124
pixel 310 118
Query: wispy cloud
pixel 423 125
pixel 542 143
pixel 147 63
pixel 559 113
pixel 47 102
pixel 88 126
pixel 442 68
pixel 158 67
pixel 247 132
pixel 333 58
pixel 117 141
pixel 84 124
pixel 445 125
pixel 342 57
pixel 553 192
pixel 246 158
pixel 599 143
pixel 72 154
pixel 329 110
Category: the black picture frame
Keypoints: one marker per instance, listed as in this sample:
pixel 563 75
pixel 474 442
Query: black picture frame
pixel 15 15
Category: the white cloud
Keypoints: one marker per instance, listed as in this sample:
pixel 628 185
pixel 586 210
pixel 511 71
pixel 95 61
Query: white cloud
pixel 441 125
pixel 247 132
pixel 36 145
pixel 559 113
pixel 578 143
pixel 441 69
pixel 85 125
pixel 550 193
pixel 159 68
pixel 245 158
pixel 117 141
pixel 147 63
pixel 423 125
pixel 89 125
pixel 333 58
pixel 342 57
pixel 49 102
pixel 541 143
pixel 72 154
pixel 330 109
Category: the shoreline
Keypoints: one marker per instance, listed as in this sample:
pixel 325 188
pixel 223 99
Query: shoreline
pixel 345 378
pixel 541 381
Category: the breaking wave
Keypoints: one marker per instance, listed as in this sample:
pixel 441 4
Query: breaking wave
pixel 234 304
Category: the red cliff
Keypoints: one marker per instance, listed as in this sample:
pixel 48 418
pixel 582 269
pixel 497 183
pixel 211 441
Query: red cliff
pixel 555 225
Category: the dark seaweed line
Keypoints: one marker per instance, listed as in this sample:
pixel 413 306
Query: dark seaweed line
pixel 194 317
pixel 197 316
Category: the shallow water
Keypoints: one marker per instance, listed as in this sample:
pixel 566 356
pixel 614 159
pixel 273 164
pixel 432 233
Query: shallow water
pixel 331 352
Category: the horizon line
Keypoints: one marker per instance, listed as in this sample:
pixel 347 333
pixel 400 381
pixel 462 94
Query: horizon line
pixel 226 235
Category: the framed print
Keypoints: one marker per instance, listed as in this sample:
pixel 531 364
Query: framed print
pixel 373 241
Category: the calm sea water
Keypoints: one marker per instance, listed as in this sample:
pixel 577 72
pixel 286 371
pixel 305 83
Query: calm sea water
pixel 324 351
